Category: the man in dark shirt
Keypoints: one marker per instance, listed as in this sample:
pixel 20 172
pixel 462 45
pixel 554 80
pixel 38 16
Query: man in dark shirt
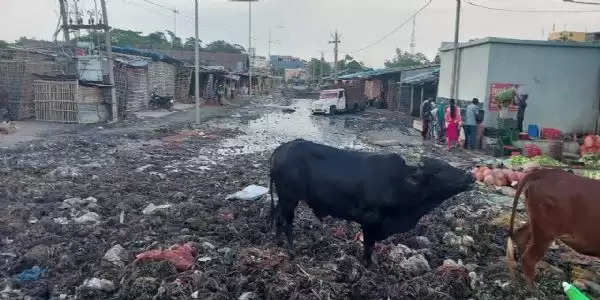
pixel 521 112
pixel 426 116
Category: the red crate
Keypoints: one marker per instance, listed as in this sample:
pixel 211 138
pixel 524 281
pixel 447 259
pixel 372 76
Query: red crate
pixel 551 134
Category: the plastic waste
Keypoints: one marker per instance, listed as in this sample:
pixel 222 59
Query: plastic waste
pixel 573 293
pixel 32 274
pixel 251 192
pixel 182 256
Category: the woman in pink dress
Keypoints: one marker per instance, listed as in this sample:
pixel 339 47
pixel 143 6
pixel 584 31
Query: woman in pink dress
pixel 453 123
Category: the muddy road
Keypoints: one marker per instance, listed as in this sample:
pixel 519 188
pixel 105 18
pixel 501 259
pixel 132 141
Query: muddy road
pixel 82 204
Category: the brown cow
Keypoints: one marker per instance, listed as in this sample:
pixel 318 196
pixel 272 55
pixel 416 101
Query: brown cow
pixel 560 205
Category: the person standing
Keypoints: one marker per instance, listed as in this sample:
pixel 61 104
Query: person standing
pixel 453 122
pixel 441 111
pixel 220 93
pixel 470 124
pixel 521 112
pixel 426 116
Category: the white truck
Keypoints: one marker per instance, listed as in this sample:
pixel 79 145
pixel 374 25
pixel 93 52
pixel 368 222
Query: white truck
pixel 330 102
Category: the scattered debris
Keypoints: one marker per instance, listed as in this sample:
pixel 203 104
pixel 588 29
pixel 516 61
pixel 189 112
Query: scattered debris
pixel 99 284
pixel 144 168
pixel 116 255
pixel 182 257
pixel 90 217
pixel 247 296
pixel 251 192
pixel 152 209
pixel 415 265
pixel 31 274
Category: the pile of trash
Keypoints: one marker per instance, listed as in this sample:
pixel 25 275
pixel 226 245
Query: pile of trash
pixel 134 219
pixel 7 127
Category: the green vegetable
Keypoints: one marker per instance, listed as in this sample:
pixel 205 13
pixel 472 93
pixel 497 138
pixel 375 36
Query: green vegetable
pixel 506 97
pixel 543 160
pixel 591 174
pixel 591 161
pixel 547 161
pixel 517 161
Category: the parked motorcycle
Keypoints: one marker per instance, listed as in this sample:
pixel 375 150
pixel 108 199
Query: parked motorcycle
pixel 157 101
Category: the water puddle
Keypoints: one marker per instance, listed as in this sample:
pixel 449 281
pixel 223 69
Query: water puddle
pixel 282 125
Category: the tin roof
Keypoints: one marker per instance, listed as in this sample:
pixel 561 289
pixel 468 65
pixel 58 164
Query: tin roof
pixel 386 71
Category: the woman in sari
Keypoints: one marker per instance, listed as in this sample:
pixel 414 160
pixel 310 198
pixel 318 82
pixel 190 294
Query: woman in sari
pixel 453 123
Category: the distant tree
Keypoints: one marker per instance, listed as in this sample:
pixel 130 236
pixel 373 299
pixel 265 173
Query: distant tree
pixel 20 41
pixel 223 46
pixel 175 40
pixel 350 65
pixel 3 44
pixel 406 59
pixel 124 38
pixel 190 43
pixel 157 39
pixel 315 64
pixel 437 59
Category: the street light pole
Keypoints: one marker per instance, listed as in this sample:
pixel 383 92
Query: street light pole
pixel 197 69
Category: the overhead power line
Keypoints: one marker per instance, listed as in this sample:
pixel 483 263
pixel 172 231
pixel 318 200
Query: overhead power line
pixel 383 38
pixel 161 5
pixel 583 2
pixel 531 10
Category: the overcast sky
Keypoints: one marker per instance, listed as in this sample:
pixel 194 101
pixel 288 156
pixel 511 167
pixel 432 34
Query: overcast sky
pixel 307 24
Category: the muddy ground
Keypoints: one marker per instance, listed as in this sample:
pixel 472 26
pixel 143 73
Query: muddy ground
pixel 456 252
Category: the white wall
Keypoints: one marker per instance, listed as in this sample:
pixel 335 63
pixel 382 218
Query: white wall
pixel 562 82
pixel 472 72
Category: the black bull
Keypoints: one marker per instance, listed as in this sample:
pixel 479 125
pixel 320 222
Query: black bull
pixel 379 191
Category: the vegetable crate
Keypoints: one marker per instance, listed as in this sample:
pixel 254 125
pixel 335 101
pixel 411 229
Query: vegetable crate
pixel 506 133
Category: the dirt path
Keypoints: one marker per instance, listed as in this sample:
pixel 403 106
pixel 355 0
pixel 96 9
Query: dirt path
pixel 454 253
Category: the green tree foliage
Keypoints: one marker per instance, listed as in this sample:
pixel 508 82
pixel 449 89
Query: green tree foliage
pixel 406 59
pixel 125 38
pixel 223 46
pixel 175 40
pixel 350 65
pixel 190 43
pixel 315 64
pixel 3 44
pixel 158 39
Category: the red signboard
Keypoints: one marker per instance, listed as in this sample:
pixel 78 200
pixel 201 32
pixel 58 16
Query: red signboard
pixel 495 89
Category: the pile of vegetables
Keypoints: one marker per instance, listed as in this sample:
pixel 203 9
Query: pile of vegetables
pixel 591 161
pixel 497 176
pixel 520 161
pixel 505 97
pixel 591 145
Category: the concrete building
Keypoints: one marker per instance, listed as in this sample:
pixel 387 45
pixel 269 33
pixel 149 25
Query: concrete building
pixel 561 78
pixel 575 36
pixel 281 62
pixel 295 74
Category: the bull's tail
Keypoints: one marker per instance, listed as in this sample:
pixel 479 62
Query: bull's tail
pixel 510 252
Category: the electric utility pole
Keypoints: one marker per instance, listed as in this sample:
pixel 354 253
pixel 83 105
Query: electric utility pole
pixel 321 65
pixel 111 72
pixel 197 67
pixel 454 65
pixel 336 41
pixel 65 19
pixel 413 38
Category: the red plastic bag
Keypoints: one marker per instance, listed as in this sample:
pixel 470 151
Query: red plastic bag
pixel 182 256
